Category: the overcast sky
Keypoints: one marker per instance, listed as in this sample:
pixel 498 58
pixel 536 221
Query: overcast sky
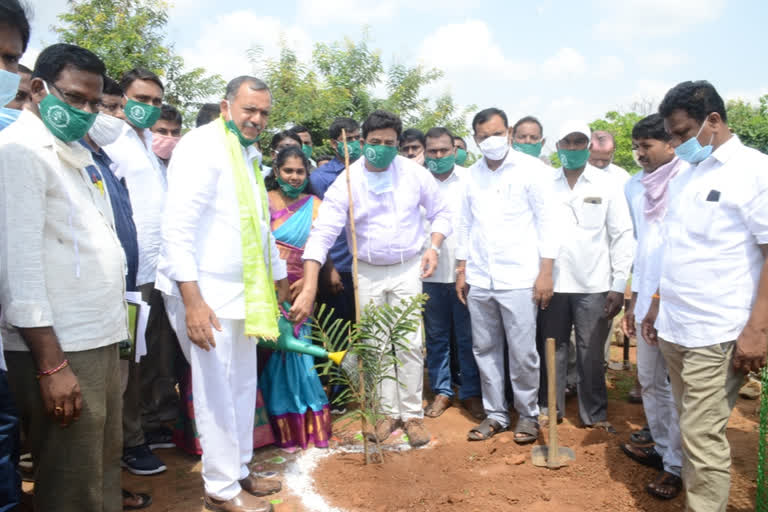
pixel 552 59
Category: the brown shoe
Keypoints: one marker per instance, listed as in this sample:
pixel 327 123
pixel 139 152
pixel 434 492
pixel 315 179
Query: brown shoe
pixel 417 433
pixel 243 502
pixel 474 406
pixel 260 486
pixel 383 429
pixel 438 406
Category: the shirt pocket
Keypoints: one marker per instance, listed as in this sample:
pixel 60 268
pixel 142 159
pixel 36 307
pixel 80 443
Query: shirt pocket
pixel 592 214
pixel 701 216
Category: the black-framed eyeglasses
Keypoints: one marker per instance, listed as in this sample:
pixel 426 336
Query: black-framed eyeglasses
pixel 76 100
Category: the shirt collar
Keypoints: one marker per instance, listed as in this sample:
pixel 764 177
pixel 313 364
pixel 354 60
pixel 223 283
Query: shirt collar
pixel 591 173
pixel 728 149
pixel 510 159
pixel 35 132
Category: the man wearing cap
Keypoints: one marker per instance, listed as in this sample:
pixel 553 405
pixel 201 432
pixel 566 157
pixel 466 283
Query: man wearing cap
pixel 590 274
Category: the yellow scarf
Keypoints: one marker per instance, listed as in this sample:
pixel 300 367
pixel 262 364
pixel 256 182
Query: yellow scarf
pixel 260 302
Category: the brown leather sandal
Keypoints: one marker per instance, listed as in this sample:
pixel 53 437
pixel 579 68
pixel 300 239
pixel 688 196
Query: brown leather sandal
pixel 666 486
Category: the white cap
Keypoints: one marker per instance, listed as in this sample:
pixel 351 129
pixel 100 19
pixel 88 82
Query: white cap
pixel 570 127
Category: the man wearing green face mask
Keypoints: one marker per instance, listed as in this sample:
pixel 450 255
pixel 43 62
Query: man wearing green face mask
pixel 461 151
pixel 591 272
pixel 527 136
pixel 389 192
pixel 443 312
pixel 63 285
pixel 150 398
pixel 307 146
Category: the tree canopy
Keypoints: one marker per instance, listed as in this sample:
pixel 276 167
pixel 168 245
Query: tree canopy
pixel 346 79
pixel 131 33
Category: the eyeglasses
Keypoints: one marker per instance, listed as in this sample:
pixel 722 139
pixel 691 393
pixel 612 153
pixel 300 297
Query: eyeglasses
pixel 76 100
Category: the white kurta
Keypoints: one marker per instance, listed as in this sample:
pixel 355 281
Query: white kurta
pixel 201 242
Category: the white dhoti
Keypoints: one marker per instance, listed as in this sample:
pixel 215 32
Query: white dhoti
pixel 659 404
pixel 389 284
pixel 224 383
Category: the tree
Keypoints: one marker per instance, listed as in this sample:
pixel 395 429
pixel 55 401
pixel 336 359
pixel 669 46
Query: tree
pixel 341 80
pixel 130 33
pixel 750 122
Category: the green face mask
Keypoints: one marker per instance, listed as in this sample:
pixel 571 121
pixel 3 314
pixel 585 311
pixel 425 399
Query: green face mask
pixel 461 156
pixel 141 115
pixel 289 190
pixel 354 150
pixel 529 149
pixel 243 141
pixel 379 156
pixel 440 165
pixel 307 150
pixel 66 122
pixel 573 158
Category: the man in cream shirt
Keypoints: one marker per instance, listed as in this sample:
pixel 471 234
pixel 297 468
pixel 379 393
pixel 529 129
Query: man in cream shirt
pixel 62 287
pixel 443 312
pixel 591 271
pixel 203 276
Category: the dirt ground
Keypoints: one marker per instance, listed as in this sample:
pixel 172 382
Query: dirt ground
pixel 452 474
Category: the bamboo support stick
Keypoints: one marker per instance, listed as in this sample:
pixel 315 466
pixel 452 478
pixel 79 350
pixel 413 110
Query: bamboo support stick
pixel 355 286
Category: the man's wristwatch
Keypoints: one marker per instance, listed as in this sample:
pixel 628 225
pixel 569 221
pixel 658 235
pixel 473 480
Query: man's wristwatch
pixel 436 249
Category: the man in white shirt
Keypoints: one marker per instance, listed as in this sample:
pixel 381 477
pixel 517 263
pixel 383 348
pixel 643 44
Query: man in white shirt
pixel 61 286
pixel 444 313
pixel 713 307
pixel 388 192
pixel 507 246
pixel 135 161
pixel 212 294
pixel 601 153
pixel 591 272
pixel 647 194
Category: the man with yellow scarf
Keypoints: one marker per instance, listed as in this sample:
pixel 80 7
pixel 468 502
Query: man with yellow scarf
pixel 218 269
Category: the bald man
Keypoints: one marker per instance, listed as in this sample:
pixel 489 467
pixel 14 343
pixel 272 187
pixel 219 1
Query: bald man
pixel 601 156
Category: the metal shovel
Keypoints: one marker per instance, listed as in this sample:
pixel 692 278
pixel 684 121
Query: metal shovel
pixel 552 455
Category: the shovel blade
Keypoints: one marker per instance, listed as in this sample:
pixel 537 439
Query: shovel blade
pixel 540 457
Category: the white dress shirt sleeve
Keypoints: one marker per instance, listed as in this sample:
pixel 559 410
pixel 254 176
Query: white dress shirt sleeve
pixel 465 222
pixel 23 290
pixel 331 219
pixel 192 187
pixel 279 267
pixel 755 209
pixel 435 206
pixel 621 238
pixel 542 200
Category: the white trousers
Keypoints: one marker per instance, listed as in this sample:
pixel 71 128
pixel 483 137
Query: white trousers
pixel 223 390
pixel 659 404
pixel 388 284
pixel 505 320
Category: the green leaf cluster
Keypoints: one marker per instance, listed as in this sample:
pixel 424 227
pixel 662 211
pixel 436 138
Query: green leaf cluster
pixel 343 80
pixel 750 122
pixel 372 345
pixel 131 33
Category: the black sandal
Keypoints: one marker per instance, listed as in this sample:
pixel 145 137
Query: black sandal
pixel 645 455
pixel 526 431
pixel 145 500
pixel 666 486
pixel 486 430
pixel 641 437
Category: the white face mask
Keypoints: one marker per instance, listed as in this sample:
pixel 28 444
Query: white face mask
pixel 379 182
pixel 495 147
pixel 106 129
